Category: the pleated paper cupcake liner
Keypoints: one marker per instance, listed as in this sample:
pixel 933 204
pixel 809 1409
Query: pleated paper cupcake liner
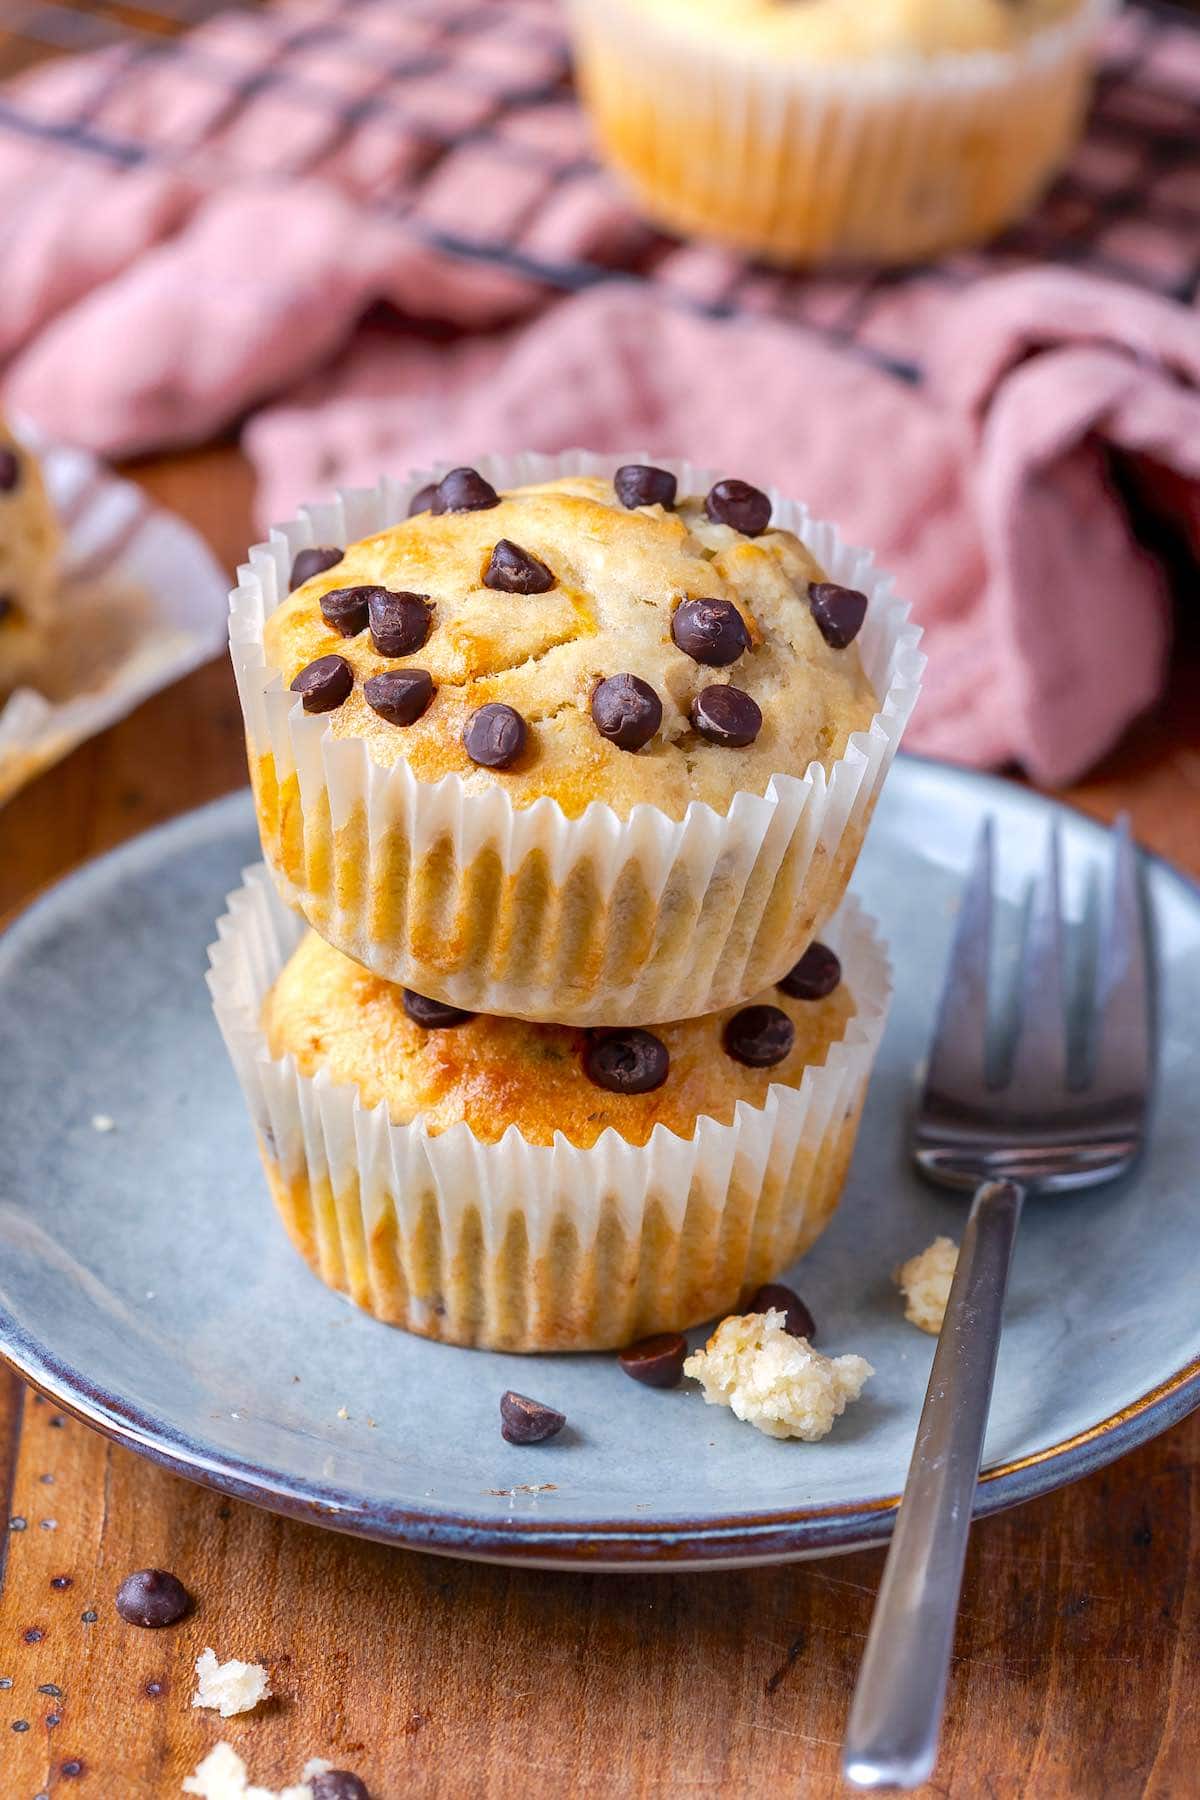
pixel 520 1246
pixel 526 912
pixel 881 161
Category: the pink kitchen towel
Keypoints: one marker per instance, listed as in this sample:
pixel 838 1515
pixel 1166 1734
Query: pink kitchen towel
pixel 373 232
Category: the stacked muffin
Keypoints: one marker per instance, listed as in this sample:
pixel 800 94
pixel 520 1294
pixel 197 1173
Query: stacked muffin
pixel 566 767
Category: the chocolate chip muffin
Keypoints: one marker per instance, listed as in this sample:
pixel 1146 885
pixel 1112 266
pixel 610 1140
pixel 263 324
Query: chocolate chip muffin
pixel 29 550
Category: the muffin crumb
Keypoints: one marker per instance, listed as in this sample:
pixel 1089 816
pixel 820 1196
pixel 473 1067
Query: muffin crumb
pixel 230 1687
pixel 774 1381
pixel 222 1776
pixel 925 1280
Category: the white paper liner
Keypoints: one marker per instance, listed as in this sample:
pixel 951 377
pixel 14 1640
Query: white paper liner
pixel 150 590
pixel 632 920
pixel 419 1228
pixel 882 159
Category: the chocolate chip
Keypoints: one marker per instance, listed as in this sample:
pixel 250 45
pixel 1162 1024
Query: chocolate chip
pixel 839 612
pixel 495 736
pixel 774 1297
pixel 152 1597
pixel 399 622
pixel 313 561
pixel 338 1784
pixel 641 484
pixel 627 711
pixel 630 1061
pixel 346 609
pixel 814 976
pixel 433 1015
pixel 656 1361
pixel 526 1421
pixel 324 684
pixel 759 1036
pixel 725 715
pixel 712 632
pixel 10 470
pixel 423 499
pixel 399 695
pixel 738 504
pixel 514 571
pixel 463 490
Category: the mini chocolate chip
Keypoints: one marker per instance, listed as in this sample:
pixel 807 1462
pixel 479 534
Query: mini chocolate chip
pixel 712 632
pixel 324 684
pixel 400 695
pixel 33 1635
pixel 423 499
pixel 313 561
pixel 48 1687
pixel 759 1036
pixel 20 1724
pixel 725 715
pixel 656 1361
pixel 60 1582
pixel 774 1297
pixel 526 1421
pixel 814 976
pixel 627 711
pixel 839 612
pixel 494 736
pixel 463 490
pixel 641 484
pixel 738 504
pixel 10 470
pixel 434 1015
pixel 89 1617
pixel 399 622
pixel 152 1597
pixel 346 609
pixel 338 1784
pixel 630 1061
pixel 514 571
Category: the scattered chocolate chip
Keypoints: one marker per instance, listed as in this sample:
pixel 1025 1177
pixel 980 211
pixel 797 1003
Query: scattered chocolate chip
pixel 463 490
pixel 346 609
pixel 338 1784
pixel 423 499
pixel 61 1581
pixel 20 1724
pixel 656 1361
pixel 738 504
pixel 48 1687
pixel 399 695
pixel 154 1690
pixel 152 1597
pixel 399 622
pixel 773 1296
pixel 89 1617
pixel 514 571
pixel 627 711
pixel 72 1768
pixel 725 715
pixel 641 484
pixel 712 632
pixel 33 1634
pixel 53 1719
pixel 17 1523
pixel 494 736
pixel 629 1061
pixel 839 612
pixel 324 684
pixel 433 1014
pixel 313 561
pixel 759 1036
pixel 10 470
pixel 814 976
pixel 526 1421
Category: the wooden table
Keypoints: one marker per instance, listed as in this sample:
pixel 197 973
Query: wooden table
pixel 1078 1665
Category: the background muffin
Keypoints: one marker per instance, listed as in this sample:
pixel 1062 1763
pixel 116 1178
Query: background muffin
pixel 29 550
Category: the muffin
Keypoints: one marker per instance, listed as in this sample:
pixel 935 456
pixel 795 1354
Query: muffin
pixel 571 742
pixel 29 552
pixel 526 1186
pixel 834 130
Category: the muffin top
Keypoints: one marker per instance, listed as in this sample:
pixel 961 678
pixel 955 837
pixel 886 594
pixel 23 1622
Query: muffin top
pixel 573 639
pixel 832 31
pixel 422 1058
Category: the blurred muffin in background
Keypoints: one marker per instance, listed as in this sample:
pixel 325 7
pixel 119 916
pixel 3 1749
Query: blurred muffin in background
pixel 29 554
pixel 830 130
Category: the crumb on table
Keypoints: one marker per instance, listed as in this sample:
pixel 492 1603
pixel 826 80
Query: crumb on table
pixel 230 1687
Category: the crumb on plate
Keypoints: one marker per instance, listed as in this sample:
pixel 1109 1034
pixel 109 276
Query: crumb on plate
pixel 774 1381
pixel 230 1687
pixel 925 1280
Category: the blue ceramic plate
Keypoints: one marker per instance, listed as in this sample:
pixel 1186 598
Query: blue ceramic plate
pixel 145 1285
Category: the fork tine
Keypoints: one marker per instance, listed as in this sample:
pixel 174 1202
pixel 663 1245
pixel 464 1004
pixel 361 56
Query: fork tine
pixel 1122 1037
pixel 1039 1063
pixel 958 1056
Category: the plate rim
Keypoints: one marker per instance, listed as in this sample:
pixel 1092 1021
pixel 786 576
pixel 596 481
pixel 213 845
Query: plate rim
pixel 615 1544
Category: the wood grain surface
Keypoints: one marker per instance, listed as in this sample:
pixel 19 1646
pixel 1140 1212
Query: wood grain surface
pixel 1077 1670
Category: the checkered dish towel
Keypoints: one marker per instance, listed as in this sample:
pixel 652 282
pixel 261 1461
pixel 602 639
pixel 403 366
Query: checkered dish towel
pixel 211 227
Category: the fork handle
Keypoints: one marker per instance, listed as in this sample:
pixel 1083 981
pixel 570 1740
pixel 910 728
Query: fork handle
pixel 896 1715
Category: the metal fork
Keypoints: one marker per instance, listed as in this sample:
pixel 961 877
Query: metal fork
pixel 1042 1121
